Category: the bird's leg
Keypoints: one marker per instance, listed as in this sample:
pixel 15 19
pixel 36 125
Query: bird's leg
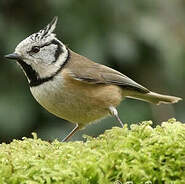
pixel 114 112
pixel 75 129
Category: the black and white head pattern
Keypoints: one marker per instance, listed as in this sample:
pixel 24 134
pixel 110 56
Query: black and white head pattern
pixel 42 55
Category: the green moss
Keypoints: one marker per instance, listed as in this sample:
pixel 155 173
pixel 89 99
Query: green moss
pixel 140 155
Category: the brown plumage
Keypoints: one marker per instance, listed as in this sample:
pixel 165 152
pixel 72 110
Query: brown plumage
pixel 86 71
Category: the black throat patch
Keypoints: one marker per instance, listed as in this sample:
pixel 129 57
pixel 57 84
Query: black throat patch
pixel 32 75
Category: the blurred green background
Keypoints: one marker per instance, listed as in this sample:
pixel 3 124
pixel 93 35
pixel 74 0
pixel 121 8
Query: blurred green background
pixel 145 40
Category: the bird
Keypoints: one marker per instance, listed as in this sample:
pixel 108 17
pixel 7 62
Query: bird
pixel 73 87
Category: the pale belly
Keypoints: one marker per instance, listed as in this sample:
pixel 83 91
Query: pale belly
pixel 74 105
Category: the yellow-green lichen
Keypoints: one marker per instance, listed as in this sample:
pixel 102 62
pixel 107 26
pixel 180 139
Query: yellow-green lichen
pixel 139 155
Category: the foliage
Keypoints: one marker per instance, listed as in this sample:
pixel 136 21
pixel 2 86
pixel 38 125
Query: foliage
pixel 139 155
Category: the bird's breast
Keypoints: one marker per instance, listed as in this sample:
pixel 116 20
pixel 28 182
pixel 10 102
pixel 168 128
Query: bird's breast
pixel 75 101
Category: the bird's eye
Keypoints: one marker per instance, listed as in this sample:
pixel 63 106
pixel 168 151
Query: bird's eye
pixel 35 49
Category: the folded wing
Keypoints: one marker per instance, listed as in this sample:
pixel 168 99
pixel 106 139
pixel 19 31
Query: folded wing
pixel 94 73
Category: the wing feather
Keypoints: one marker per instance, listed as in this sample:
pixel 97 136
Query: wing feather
pixel 93 73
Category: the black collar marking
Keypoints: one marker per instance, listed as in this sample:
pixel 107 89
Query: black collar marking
pixel 34 79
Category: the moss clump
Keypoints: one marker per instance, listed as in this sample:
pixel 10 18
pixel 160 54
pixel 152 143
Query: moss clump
pixel 140 155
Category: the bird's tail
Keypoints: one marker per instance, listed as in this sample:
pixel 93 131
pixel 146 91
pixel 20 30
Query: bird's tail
pixel 154 98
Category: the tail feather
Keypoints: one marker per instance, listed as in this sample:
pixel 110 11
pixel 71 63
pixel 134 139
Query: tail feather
pixel 155 98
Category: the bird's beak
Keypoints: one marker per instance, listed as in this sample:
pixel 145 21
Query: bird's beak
pixel 14 56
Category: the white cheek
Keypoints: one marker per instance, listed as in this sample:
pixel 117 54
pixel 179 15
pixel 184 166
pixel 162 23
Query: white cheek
pixel 47 54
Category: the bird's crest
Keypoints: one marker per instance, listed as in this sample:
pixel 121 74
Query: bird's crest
pixel 45 32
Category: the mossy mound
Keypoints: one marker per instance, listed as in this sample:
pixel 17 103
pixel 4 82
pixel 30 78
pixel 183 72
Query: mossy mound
pixel 140 155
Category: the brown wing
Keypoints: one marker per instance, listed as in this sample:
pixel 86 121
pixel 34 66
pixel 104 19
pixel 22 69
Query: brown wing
pixel 87 71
